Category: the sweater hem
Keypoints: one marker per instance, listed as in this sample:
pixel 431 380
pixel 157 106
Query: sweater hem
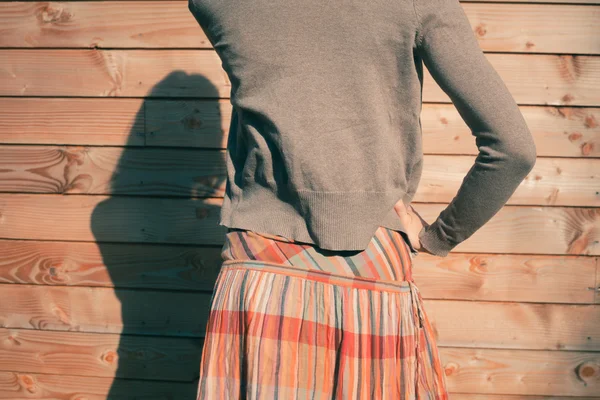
pixel 324 219
pixel 433 242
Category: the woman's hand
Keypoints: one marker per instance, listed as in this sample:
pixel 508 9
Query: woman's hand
pixel 413 224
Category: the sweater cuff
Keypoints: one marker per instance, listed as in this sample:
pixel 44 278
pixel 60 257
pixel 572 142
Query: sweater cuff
pixel 433 242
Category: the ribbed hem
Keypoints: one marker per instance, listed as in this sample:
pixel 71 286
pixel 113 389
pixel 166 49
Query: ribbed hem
pixel 433 241
pixel 329 220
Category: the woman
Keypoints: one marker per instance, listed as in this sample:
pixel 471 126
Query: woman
pixel 315 298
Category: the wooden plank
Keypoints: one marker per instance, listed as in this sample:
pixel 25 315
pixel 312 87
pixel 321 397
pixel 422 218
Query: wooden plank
pixel 193 172
pixel 111 219
pixel 478 324
pixel 532 230
pixel 488 324
pixel 562 279
pixel 528 28
pixel 487 396
pixel 519 1
pixel 521 372
pixel 26 385
pixel 100 355
pixel 489 277
pixel 558 131
pixel 105 310
pixel 597 282
pixel 113 24
pixel 113 73
pixel 133 266
pixel 507 277
pixel 539 79
pixel 535 28
pixel 112 170
pixel 468 371
pixel 98 121
pixel 65 387
pixel 532 79
pixel 122 122
pixel 514 229
pixel 552 181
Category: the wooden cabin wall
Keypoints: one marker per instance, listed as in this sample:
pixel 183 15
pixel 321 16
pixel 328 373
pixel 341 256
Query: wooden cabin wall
pixel 113 125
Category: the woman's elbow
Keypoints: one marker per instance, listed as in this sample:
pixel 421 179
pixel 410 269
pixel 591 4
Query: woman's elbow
pixel 524 157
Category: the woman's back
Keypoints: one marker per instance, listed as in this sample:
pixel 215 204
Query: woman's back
pixel 325 134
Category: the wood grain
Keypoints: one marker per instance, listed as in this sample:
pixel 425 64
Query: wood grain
pixel 196 173
pixel 100 355
pixel 527 28
pixel 105 310
pixel 133 219
pixel 65 387
pixel 484 277
pixel 122 265
pixel 468 370
pixel 557 131
pixel 514 372
pixel 23 385
pixel 536 79
pixel 479 324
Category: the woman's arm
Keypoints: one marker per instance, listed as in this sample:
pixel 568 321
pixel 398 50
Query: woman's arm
pixel 507 153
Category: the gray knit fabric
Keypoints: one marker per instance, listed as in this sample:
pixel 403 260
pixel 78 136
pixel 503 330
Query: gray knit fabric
pixel 325 134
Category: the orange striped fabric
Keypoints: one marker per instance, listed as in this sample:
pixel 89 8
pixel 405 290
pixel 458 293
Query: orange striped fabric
pixel 291 321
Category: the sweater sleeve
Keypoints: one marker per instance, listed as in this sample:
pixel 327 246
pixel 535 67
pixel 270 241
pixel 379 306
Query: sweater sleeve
pixel 507 153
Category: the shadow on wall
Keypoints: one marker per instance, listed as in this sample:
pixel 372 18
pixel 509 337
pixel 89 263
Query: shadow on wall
pixel 159 240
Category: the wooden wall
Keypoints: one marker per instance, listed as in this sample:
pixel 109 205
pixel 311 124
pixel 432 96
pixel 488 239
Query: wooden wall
pixel 113 123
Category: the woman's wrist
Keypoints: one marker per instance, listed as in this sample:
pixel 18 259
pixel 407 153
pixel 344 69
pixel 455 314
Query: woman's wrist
pixel 428 239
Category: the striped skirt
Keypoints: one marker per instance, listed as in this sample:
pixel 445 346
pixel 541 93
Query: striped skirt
pixel 289 320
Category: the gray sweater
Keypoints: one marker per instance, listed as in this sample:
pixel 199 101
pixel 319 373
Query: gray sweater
pixel 325 134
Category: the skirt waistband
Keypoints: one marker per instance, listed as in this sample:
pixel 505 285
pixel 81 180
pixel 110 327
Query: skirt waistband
pixel 358 282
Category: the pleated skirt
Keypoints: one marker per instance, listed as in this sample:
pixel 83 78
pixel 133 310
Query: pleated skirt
pixel 289 320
